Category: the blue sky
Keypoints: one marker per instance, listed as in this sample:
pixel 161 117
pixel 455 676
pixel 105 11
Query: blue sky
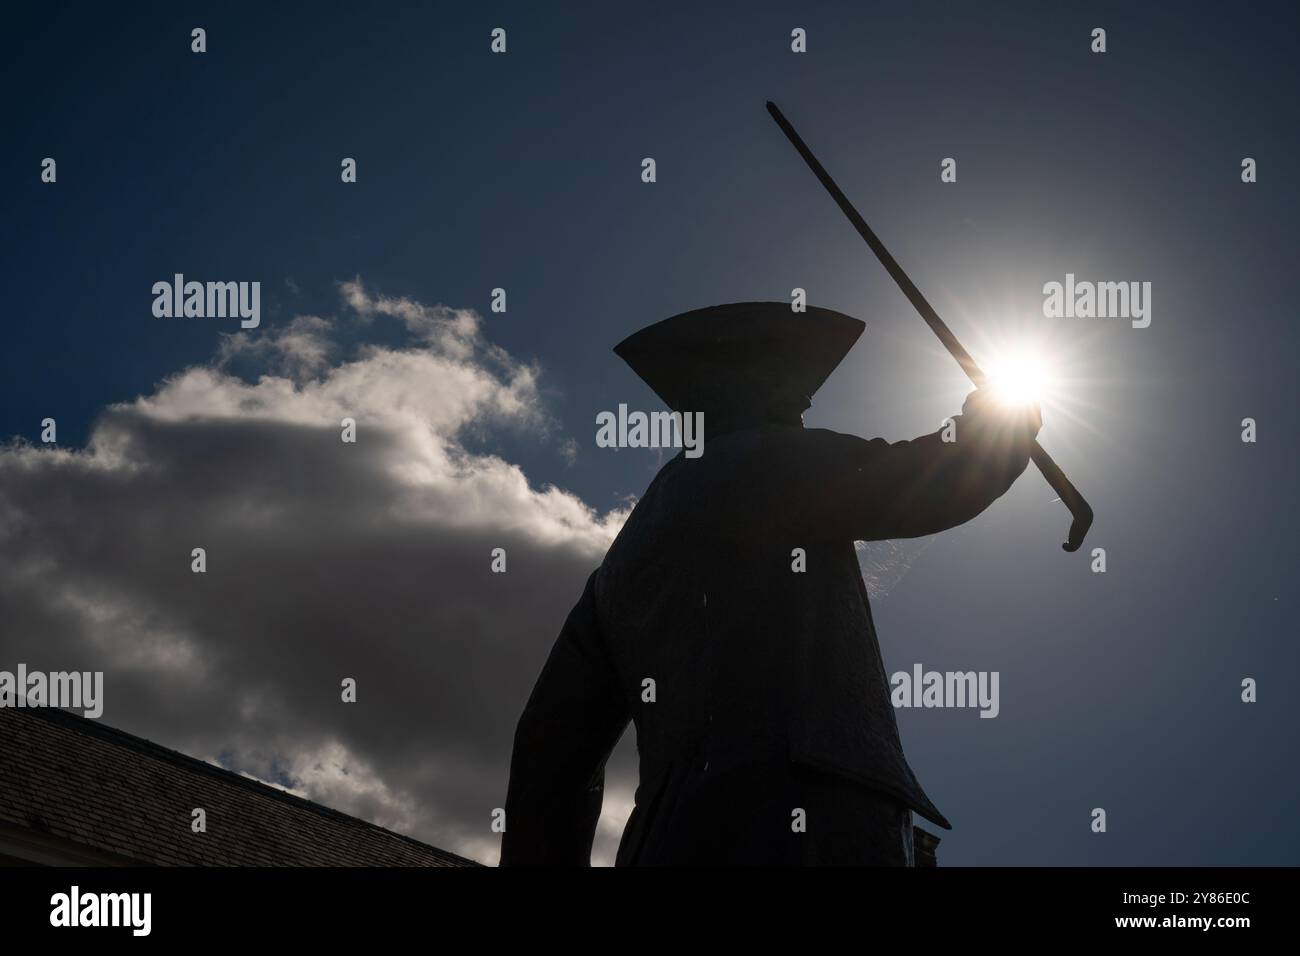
pixel 523 171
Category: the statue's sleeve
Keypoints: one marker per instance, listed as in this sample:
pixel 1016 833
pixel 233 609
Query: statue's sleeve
pixel 571 722
pixel 877 489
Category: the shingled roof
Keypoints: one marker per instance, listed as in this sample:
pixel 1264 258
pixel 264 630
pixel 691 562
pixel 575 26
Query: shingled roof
pixel 75 791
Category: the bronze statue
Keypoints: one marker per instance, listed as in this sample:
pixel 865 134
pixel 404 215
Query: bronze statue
pixel 769 737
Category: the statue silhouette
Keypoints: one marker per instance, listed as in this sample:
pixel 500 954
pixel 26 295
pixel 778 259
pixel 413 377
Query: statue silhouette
pixel 769 738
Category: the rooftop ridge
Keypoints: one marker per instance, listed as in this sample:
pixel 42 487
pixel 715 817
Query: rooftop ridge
pixel 78 724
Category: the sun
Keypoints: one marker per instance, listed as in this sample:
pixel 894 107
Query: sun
pixel 1019 377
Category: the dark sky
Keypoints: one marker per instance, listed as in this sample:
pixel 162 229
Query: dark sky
pixel 1118 690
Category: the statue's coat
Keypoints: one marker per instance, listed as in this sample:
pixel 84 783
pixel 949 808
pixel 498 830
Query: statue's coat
pixel 770 693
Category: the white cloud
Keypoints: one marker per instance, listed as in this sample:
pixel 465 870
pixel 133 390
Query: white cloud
pixel 325 560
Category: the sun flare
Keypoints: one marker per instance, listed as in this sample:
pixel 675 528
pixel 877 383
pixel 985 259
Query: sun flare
pixel 1020 377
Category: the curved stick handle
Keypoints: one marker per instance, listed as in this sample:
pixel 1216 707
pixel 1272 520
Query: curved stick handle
pixel 1080 510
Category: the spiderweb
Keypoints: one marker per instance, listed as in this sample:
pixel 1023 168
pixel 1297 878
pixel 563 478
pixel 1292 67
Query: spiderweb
pixel 885 563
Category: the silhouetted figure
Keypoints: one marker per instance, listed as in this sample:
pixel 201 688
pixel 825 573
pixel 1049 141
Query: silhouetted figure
pixel 770 693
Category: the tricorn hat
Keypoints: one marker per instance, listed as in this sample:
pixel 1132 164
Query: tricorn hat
pixel 740 360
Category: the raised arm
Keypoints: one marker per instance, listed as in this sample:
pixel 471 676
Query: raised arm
pixel 832 485
pixel 926 485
